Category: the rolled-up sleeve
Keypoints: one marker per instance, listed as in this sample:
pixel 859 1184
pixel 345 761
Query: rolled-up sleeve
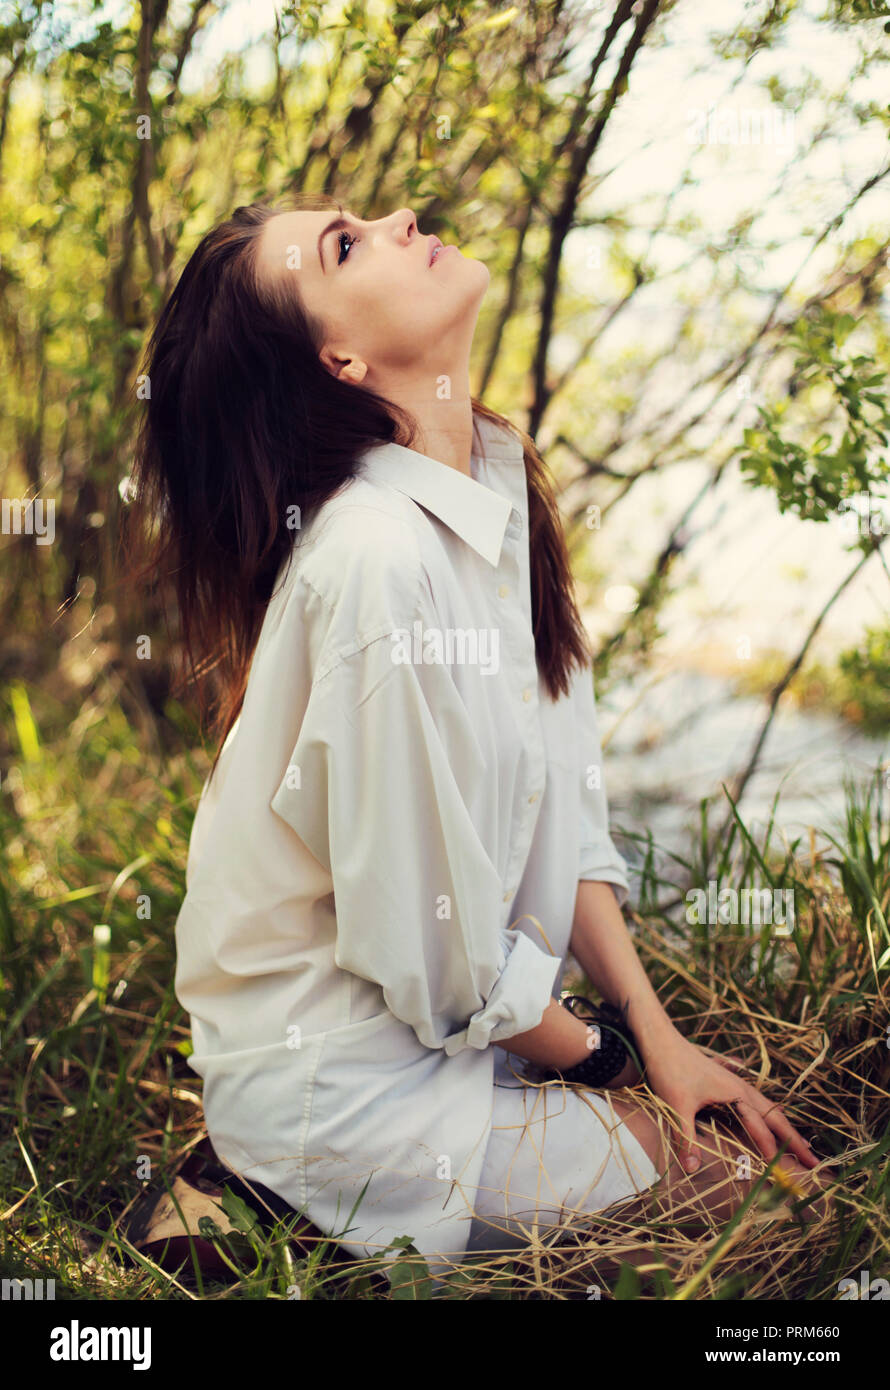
pixel 379 789
pixel 598 857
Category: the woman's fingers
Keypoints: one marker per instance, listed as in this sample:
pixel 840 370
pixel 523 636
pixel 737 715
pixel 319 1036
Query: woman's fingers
pixel 778 1121
pixel 689 1154
pixel 756 1127
pixel 769 1118
pixel 774 1116
pixel 763 1120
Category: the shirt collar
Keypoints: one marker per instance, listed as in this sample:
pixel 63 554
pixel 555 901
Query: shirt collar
pixel 476 513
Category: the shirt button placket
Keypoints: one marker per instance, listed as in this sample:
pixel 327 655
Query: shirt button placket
pixel 534 739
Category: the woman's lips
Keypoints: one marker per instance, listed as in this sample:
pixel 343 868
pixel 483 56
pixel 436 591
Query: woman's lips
pixel 439 252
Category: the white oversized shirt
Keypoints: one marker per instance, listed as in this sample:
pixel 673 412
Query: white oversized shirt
pixel 396 802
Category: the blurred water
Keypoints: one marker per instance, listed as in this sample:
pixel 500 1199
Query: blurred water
pixel 678 742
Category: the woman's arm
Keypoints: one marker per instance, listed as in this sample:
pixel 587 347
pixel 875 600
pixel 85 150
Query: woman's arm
pixel 559 1040
pixel 602 946
pixel 686 1076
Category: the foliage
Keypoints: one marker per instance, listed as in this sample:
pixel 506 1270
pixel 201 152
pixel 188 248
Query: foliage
pixel 94 1083
pixel 817 477
pixel 120 144
pixel 865 677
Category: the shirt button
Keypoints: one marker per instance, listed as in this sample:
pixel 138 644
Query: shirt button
pixel 526 695
pixel 507 897
pixel 533 797
pixel 503 591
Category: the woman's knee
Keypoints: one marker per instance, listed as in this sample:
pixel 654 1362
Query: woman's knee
pixel 728 1167
pixel 723 1166
pixel 649 1132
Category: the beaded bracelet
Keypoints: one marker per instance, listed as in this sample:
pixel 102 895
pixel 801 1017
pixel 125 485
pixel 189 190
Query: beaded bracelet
pixel 610 1051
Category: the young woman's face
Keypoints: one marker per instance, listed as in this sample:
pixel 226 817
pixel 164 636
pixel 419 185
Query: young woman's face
pixel 386 307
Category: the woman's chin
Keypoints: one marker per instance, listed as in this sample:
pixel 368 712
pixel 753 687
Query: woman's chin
pixel 474 274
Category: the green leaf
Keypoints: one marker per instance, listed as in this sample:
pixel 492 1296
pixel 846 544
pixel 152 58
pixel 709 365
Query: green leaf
pixel 242 1217
pixel 628 1286
pixel 410 1279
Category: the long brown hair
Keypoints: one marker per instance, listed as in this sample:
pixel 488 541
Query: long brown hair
pixel 241 422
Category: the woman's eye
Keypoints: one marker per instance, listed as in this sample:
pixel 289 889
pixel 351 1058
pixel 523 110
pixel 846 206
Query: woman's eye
pixel 343 254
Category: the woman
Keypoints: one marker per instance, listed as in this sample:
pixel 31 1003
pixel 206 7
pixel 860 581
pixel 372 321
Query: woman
pixel 405 826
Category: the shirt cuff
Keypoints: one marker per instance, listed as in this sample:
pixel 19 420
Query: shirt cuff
pixel 601 862
pixel 519 999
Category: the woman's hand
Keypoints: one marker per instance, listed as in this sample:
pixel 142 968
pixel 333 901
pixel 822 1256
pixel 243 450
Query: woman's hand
pixel 688 1077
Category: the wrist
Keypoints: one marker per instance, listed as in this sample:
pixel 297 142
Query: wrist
pixel 609 1045
pixel 651 1026
pixel 586 1043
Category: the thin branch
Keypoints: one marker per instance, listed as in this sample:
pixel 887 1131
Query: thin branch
pixel 6 95
pixel 562 222
pixel 184 47
pixel 741 780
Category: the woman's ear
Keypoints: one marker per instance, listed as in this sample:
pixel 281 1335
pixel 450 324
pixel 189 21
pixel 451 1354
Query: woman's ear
pixel 342 366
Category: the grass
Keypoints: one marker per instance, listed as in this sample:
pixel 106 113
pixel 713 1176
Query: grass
pixel 99 1101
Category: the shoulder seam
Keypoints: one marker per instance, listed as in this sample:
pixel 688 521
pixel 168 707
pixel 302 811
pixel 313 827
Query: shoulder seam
pixel 344 654
pixel 353 506
pixel 363 639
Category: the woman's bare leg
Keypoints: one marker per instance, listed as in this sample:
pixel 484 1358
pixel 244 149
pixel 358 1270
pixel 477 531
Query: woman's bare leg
pixel 699 1203
pixel 693 1205
pixel 730 1165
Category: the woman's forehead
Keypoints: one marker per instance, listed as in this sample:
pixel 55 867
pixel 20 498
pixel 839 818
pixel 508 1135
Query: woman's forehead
pixel 289 229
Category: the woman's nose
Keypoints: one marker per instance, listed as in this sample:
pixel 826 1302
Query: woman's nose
pixel 407 223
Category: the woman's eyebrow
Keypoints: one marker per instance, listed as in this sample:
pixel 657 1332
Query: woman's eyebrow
pixel 339 224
